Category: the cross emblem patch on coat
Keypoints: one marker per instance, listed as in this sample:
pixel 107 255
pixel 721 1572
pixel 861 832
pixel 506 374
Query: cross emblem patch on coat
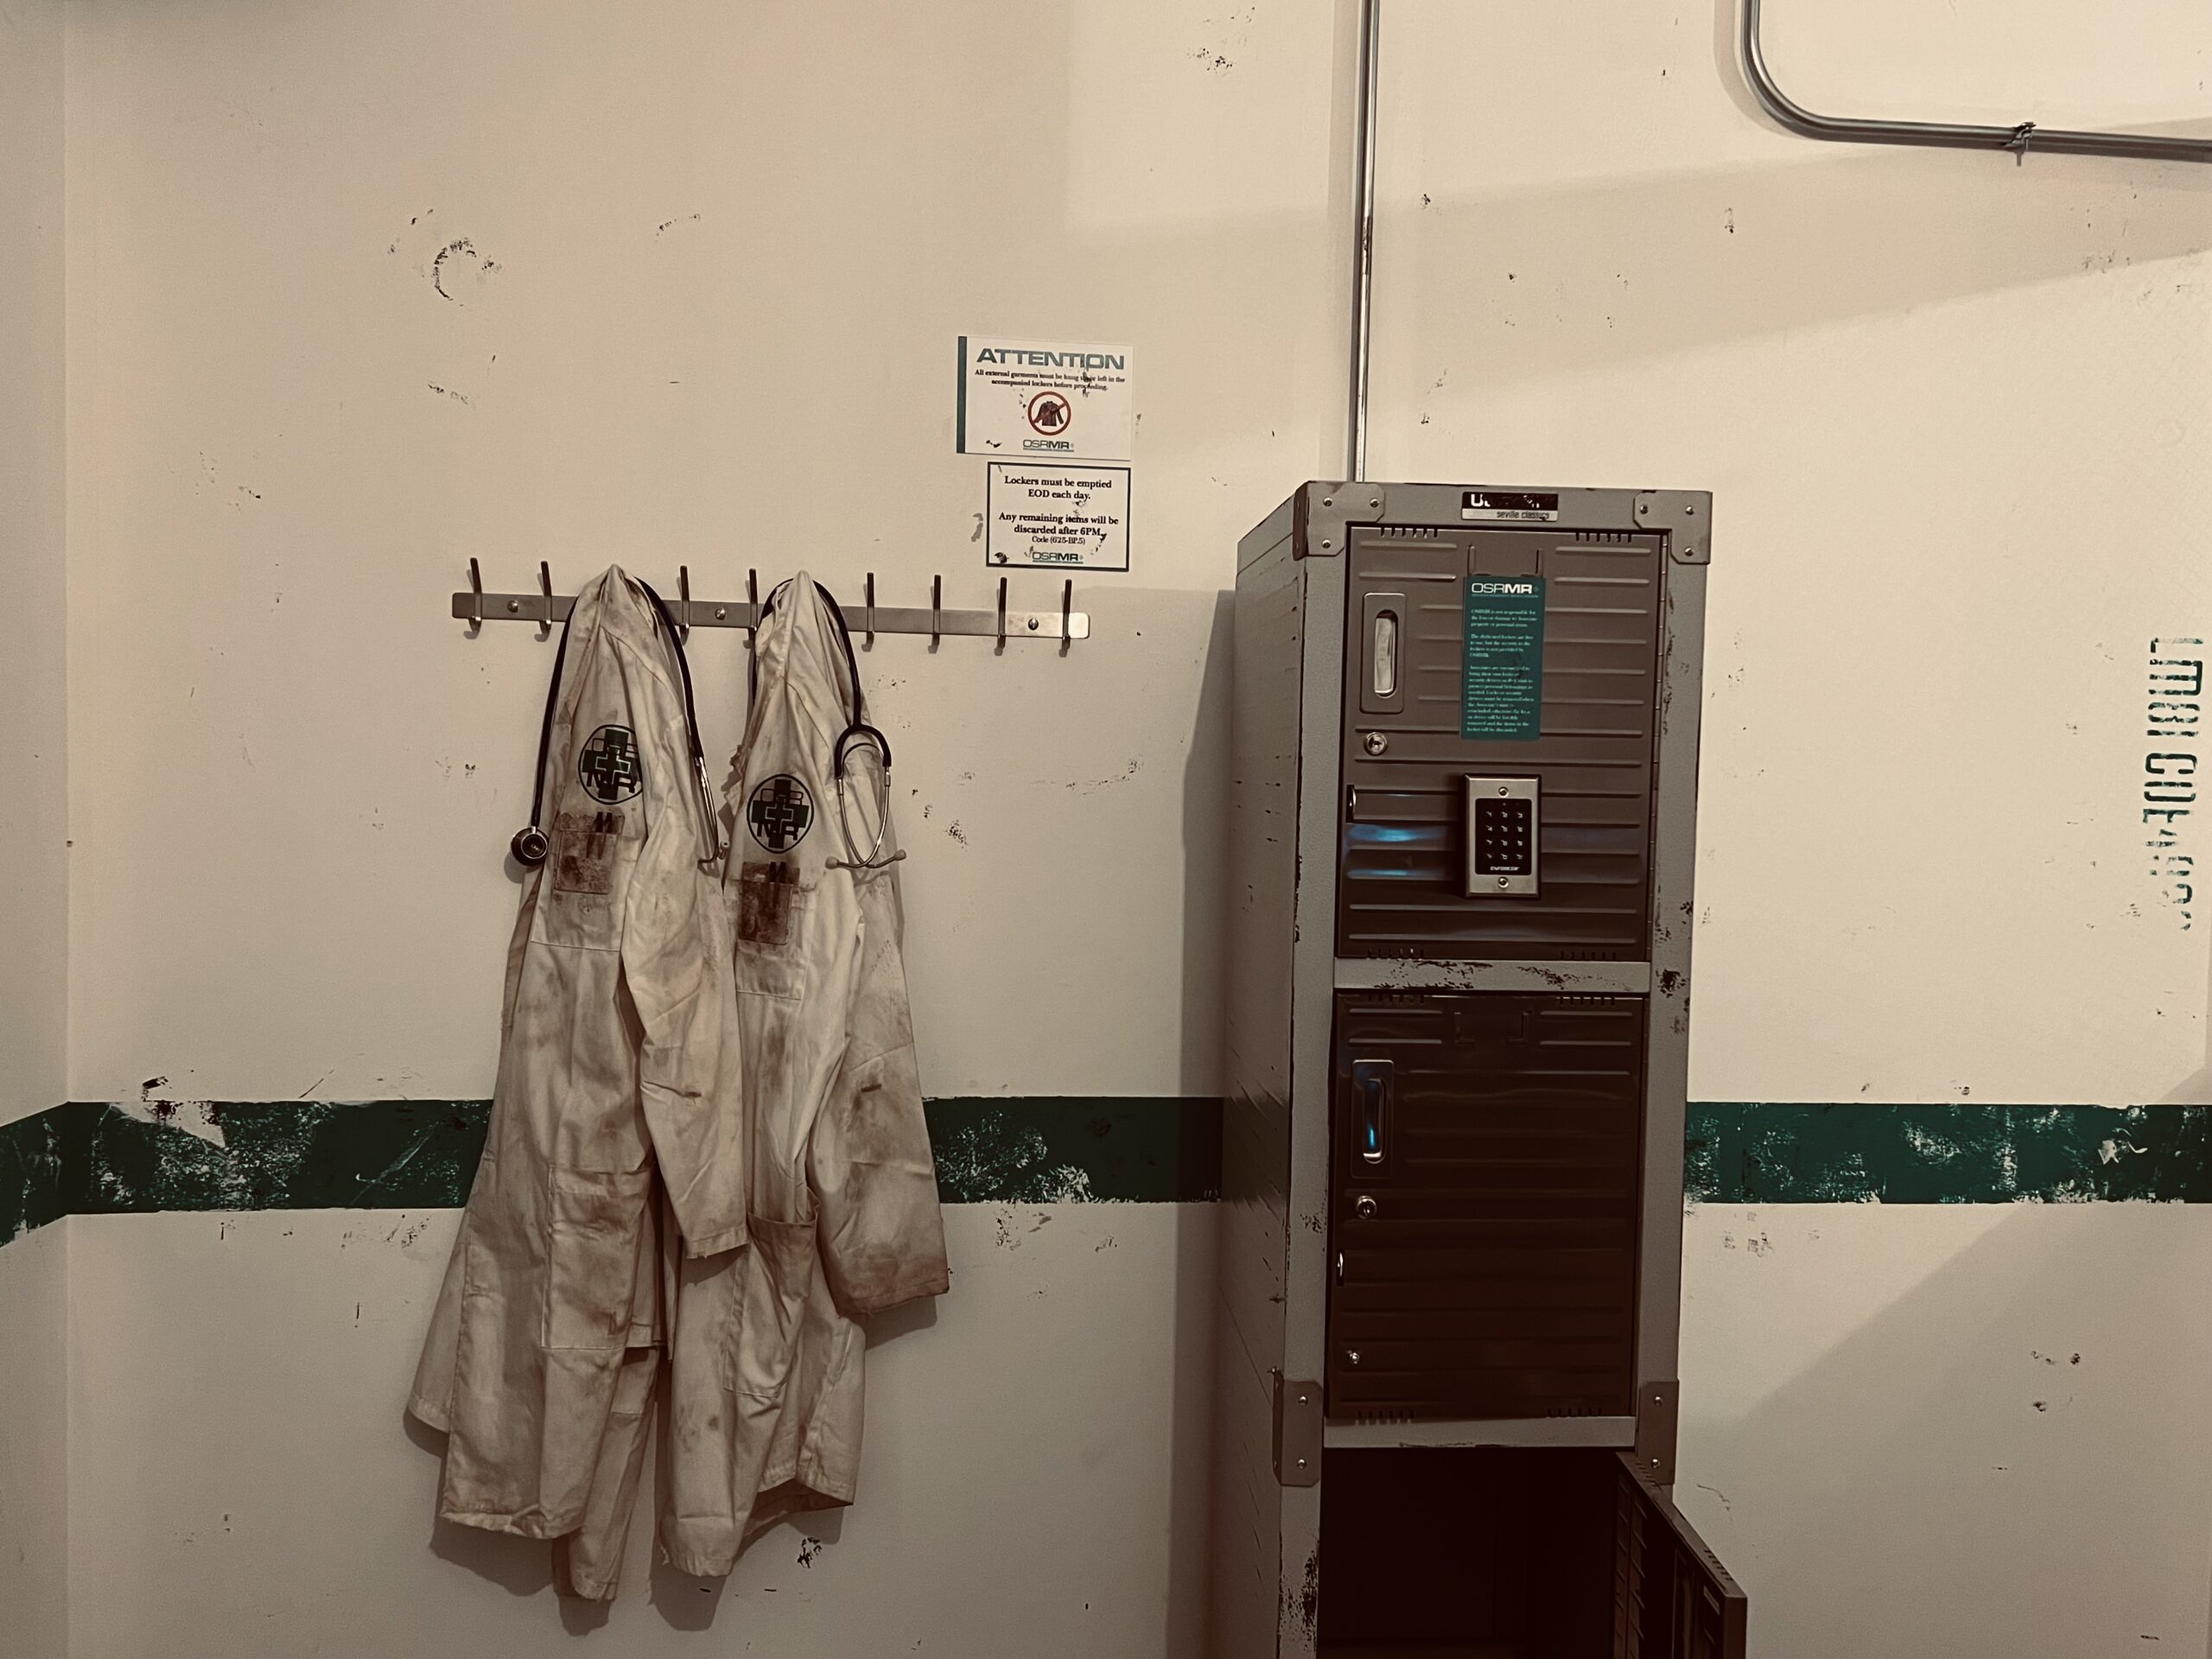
pixel 778 813
pixel 607 766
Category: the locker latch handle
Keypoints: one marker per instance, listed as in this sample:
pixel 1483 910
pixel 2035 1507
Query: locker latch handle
pixel 1370 1082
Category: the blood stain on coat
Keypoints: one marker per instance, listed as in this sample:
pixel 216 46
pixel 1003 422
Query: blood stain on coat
pixel 956 832
pixel 146 1088
pixel 667 225
pixel 808 1549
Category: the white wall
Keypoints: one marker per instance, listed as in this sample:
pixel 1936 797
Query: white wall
pixel 33 1446
pixel 719 257
pixel 1955 414
pixel 703 270
pixel 1973 1431
pixel 33 903
pixel 1951 409
pixel 33 856
pixel 252 1494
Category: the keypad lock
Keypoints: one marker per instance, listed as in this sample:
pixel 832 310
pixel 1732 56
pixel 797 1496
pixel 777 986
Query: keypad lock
pixel 1502 822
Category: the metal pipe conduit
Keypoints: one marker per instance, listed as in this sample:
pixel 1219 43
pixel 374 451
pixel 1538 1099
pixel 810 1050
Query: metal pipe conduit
pixel 1786 111
pixel 1950 135
pixel 1363 273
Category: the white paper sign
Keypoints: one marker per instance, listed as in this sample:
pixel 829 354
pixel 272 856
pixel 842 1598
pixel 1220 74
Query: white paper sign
pixel 1072 516
pixel 1045 398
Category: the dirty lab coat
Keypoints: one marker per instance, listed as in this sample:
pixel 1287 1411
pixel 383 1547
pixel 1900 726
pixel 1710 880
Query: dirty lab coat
pixel 765 1406
pixel 618 1121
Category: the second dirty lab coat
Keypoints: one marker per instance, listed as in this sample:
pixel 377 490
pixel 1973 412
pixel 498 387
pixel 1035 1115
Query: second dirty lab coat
pixel 767 1358
pixel 619 1095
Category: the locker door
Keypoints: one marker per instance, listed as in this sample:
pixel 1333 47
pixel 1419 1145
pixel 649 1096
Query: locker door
pixel 1485 1205
pixel 1672 1598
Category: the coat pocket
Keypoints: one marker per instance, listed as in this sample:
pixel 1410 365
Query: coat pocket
pixel 771 930
pixel 594 1219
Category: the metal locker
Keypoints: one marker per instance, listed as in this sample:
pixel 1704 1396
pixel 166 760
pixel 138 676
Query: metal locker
pixel 1463 822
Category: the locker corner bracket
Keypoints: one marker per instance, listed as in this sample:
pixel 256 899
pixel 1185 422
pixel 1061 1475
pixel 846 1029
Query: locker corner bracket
pixel 1298 1432
pixel 1326 512
pixel 1685 517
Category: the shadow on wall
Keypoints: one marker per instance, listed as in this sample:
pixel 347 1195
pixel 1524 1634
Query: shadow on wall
pixel 1205 848
pixel 1577 278
pixel 2009 1460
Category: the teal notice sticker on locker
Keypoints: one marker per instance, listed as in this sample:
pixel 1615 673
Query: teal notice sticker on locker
pixel 1501 673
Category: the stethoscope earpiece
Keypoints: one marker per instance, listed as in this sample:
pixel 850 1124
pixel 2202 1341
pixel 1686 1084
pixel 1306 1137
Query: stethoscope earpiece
pixel 530 846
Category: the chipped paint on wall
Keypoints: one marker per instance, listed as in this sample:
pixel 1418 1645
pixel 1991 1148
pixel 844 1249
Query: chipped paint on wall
pixel 1751 1152
pixel 93 1158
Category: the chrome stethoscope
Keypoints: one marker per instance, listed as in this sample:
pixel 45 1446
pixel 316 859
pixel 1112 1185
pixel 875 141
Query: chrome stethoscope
pixel 857 730
pixel 530 845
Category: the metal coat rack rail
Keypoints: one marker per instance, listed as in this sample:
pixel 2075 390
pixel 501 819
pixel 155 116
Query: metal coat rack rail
pixel 545 608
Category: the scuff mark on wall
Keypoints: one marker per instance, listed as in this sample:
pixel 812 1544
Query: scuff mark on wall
pixel 460 253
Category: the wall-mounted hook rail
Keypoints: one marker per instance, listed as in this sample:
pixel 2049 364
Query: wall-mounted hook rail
pixel 1064 626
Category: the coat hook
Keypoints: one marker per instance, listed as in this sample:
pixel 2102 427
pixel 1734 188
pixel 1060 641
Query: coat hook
pixel 870 628
pixel 937 603
pixel 545 586
pixel 1067 606
pixel 476 594
pixel 684 588
pixel 753 598
pixel 1002 612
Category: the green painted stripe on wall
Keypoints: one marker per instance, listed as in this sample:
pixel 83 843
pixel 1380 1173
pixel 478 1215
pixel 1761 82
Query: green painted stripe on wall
pixel 34 1173
pixel 89 1157
pixel 1745 1152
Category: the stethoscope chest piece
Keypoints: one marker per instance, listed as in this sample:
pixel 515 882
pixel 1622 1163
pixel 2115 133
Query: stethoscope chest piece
pixel 530 846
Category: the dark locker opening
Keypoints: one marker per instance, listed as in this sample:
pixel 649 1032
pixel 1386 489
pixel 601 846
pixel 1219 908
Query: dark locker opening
pixel 1486 1209
pixel 1513 1553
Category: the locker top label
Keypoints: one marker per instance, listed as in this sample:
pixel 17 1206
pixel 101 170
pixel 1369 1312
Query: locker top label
pixel 1508 507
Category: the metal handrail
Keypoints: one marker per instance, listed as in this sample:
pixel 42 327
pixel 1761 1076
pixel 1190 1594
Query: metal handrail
pixel 1950 135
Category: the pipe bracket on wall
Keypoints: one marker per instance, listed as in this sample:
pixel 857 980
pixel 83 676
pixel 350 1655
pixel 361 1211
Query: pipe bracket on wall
pixel 1062 626
pixel 1949 135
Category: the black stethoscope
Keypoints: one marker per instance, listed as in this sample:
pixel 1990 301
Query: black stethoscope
pixel 857 730
pixel 531 844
